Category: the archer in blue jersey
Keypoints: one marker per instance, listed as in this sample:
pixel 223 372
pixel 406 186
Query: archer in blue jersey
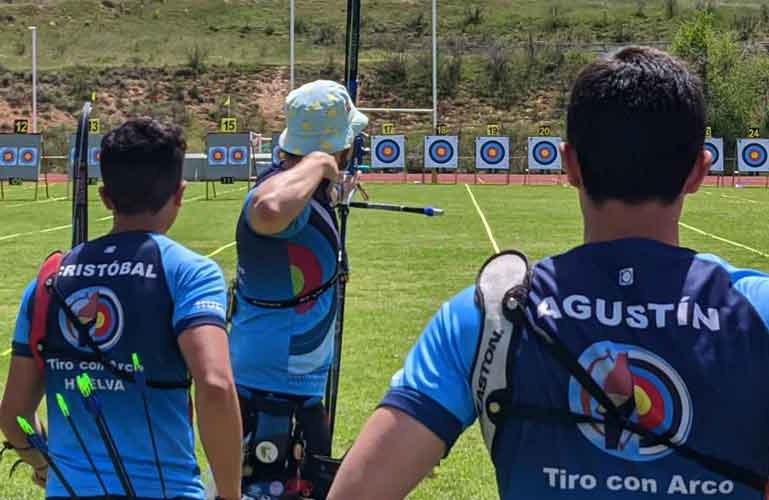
pixel 138 292
pixel 673 340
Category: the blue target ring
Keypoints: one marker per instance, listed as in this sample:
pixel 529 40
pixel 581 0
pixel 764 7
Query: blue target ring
pixel 388 151
pixel 545 153
pixel 713 150
pixel 278 156
pixel 217 155
pixel 94 157
pixel 492 152
pixel 238 155
pixel 441 151
pixel 754 155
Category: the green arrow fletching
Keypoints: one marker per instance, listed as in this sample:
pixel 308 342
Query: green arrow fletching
pixel 28 430
pixel 84 385
pixel 136 363
pixel 62 405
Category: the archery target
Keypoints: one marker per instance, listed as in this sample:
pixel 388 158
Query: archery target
pixel 28 157
pixel 8 157
pixel 715 146
pixel 94 157
pixel 388 151
pixel 492 153
pixel 544 153
pixel 278 156
pixel 752 155
pixel 238 155
pixel 217 155
pixel 441 151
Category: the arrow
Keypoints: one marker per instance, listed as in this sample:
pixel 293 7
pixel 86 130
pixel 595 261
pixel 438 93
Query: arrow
pixel 93 405
pixel 141 382
pixel 36 442
pixel 65 412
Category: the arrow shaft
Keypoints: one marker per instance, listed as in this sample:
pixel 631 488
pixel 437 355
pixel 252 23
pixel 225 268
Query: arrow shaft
pixel 80 441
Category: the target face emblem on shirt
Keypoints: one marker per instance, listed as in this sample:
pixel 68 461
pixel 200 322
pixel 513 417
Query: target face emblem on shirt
pixel 545 153
pixel 99 305
pixel 645 389
pixel 754 155
pixel 492 152
pixel 388 151
pixel 441 151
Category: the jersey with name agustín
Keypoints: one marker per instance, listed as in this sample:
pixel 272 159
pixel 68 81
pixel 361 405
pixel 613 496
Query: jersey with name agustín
pixel 141 290
pixel 678 341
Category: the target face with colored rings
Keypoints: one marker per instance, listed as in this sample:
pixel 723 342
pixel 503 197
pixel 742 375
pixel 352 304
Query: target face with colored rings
pixel 8 157
pixel 545 152
pixel 27 157
pixel 441 151
pixel 388 151
pixel 217 155
pixel 492 152
pixel 94 157
pixel 238 155
pixel 98 305
pixel 644 387
pixel 754 155
pixel 713 146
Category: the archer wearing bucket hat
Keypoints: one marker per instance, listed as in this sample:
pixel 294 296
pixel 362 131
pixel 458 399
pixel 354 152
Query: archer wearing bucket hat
pixel 320 116
pixel 285 299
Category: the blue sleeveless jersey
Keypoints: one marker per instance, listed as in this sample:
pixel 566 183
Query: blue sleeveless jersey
pixel 143 290
pixel 285 350
pixel 679 341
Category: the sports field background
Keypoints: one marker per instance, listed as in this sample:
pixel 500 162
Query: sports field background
pixel 403 268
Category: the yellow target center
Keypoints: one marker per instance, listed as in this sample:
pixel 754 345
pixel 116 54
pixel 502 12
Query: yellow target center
pixel 493 153
pixel 100 320
pixel 545 153
pixel 754 155
pixel 297 279
pixel 441 151
pixel 643 402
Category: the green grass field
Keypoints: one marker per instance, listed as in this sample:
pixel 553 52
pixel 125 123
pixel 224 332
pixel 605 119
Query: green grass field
pixel 403 268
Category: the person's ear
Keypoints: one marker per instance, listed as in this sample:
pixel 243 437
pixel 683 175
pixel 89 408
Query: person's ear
pixel 179 196
pixel 699 172
pixel 105 199
pixel 573 169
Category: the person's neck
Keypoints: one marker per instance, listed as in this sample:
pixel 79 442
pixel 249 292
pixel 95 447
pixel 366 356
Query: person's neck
pixel 614 220
pixel 143 222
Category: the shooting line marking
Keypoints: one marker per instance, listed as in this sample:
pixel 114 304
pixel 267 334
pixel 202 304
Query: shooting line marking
pixel 739 198
pixel 49 200
pixel 221 249
pixel 724 240
pixel 483 219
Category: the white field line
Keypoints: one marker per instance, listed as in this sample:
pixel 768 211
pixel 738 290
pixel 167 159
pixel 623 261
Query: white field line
pixel 483 219
pixel 221 249
pixel 739 198
pixel 724 240
pixel 25 204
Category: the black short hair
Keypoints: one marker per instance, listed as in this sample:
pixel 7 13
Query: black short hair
pixel 636 120
pixel 141 165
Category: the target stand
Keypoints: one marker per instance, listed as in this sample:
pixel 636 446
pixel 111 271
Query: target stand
pixel 388 154
pixel 229 158
pixel 544 156
pixel 441 154
pixel 492 154
pixel 94 160
pixel 752 157
pixel 715 146
pixel 20 159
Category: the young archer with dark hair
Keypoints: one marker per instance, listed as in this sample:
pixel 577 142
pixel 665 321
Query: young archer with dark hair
pixel 132 291
pixel 628 367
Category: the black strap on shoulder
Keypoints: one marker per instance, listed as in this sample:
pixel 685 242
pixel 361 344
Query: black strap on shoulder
pixel 614 417
pixel 84 338
pixel 299 300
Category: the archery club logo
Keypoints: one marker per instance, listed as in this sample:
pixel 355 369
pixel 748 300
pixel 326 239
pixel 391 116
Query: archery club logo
pixel 97 304
pixel 645 388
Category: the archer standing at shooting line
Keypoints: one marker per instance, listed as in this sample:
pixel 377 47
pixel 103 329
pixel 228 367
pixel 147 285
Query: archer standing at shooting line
pixel 133 291
pixel 620 350
pixel 285 300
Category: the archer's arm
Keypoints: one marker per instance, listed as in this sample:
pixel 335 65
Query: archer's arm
pixel 427 407
pixel 280 199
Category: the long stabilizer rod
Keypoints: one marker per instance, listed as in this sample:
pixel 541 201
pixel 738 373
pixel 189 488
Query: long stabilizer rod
pixel 428 211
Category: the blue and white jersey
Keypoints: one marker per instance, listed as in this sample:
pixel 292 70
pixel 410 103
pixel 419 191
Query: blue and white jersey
pixel 286 350
pixel 142 290
pixel 679 341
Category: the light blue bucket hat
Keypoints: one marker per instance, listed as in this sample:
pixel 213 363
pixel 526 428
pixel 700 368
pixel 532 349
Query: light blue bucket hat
pixel 320 116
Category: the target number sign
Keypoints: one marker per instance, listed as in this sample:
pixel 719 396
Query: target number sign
pixel 708 132
pixel 492 130
pixel 388 151
pixel 753 155
pixel 492 153
pixel 94 126
pixel 229 125
pixel 442 129
pixel 388 129
pixel 544 130
pixel 754 133
pixel 544 153
pixel 715 146
pixel 441 151
pixel 21 126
